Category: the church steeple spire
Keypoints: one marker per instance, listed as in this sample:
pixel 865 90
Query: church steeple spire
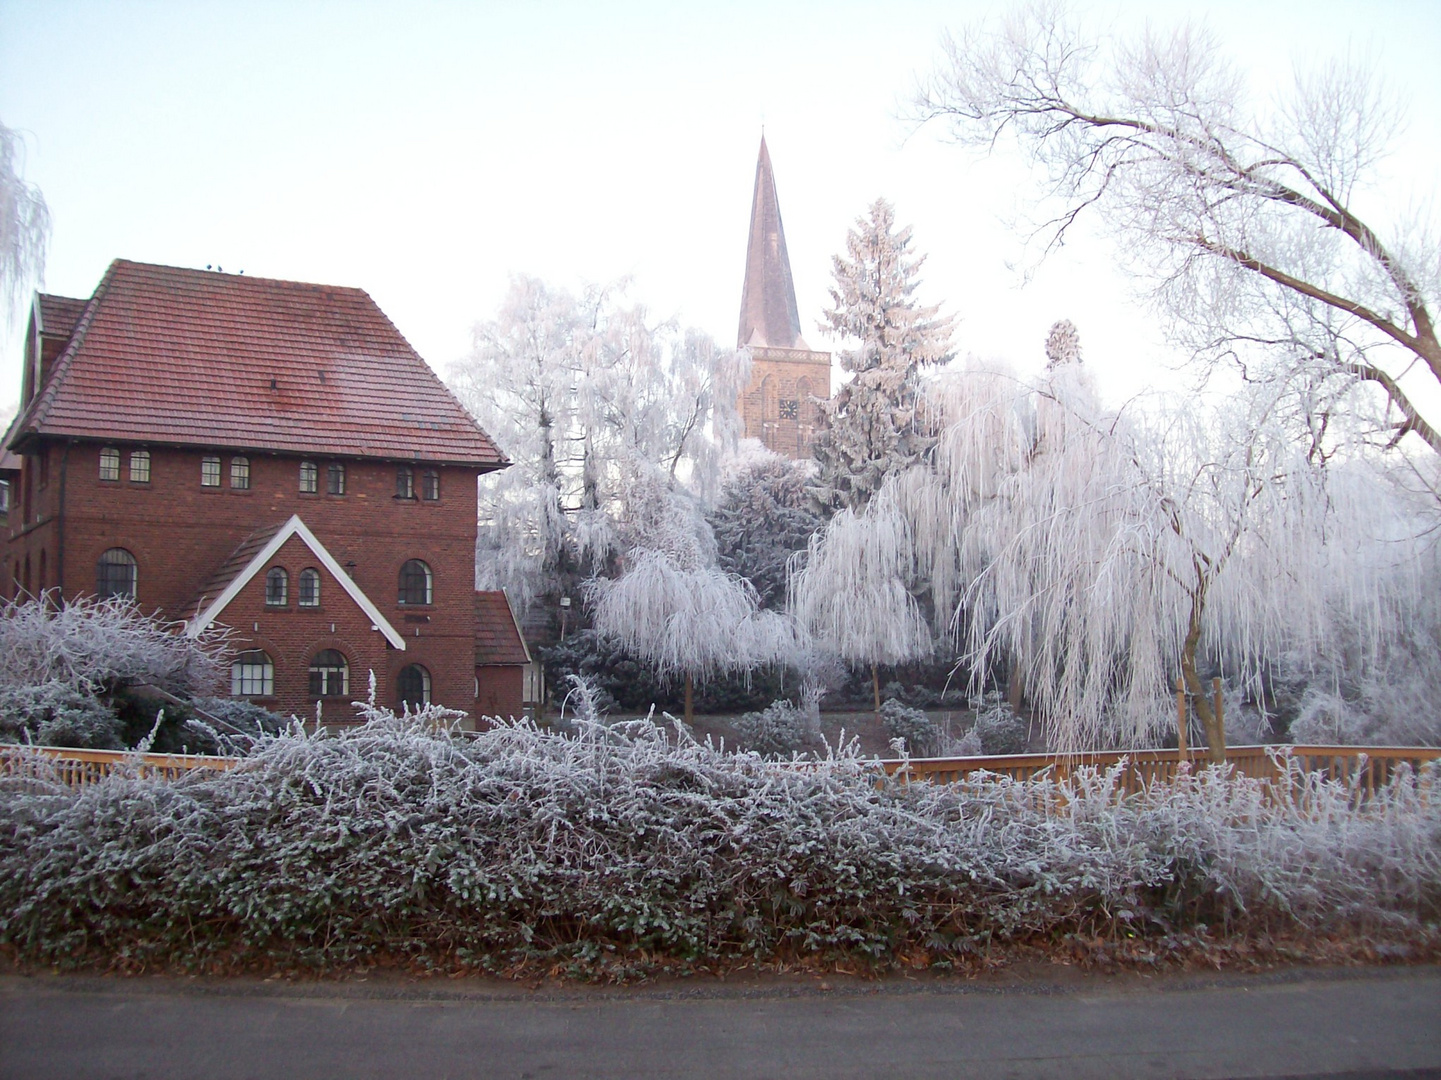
pixel 769 317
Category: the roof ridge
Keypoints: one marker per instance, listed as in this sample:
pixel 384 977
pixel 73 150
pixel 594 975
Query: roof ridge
pixel 259 279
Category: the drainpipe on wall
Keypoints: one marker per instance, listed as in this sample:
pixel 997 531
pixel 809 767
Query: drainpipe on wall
pixel 60 526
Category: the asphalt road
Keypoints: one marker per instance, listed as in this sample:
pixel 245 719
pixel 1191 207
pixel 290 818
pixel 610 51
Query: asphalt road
pixel 1370 1023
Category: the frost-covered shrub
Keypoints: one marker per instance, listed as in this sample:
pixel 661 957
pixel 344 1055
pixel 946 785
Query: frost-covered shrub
pixel 89 644
pixel 778 730
pixel 946 693
pixel 56 714
pixel 968 745
pixel 912 726
pixel 246 717
pixel 516 849
pixel 1000 730
pixel 1327 719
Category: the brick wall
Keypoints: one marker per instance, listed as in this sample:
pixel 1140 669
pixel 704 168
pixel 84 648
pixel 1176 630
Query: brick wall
pixel 778 407
pixel 181 533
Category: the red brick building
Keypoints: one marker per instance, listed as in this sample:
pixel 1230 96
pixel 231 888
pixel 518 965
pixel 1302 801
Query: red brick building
pixel 270 456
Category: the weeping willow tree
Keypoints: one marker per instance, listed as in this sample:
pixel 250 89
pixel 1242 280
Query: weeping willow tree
pixel 24 224
pixel 853 595
pixel 1102 554
pixel 671 606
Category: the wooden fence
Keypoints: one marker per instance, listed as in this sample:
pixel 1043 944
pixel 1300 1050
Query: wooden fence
pixel 1368 767
pixel 77 768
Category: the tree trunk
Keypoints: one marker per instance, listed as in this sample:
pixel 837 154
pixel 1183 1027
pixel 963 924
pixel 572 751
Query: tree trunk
pixel 876 686
pixel 689 699
pixel 1210 722
pixel 1016 687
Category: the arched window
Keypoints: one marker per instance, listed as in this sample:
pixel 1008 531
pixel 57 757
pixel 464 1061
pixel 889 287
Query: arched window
pixel 140 466
pixel 240 473
pixel 430 485
pixel 115 574
pixel 404 482
pixel 335 479
pixel 252 674
pixel 277 587
pixel 415 583
pixel 329 674
pixel 309 477
pixel 412 686
pixel 309 587
pixel 110 463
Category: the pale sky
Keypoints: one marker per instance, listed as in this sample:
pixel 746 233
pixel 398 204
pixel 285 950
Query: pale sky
pixel 425 152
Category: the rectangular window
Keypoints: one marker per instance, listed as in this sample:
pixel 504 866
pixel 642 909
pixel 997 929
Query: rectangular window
pixel 140 466
pixel 405 482
pixel 240 473
pixel 430 485
pixel 4 496
pixel 309 478
pixel 210 472
pixel 110 463
pixel 335 479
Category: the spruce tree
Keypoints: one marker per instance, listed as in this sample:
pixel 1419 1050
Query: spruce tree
pixel 875 424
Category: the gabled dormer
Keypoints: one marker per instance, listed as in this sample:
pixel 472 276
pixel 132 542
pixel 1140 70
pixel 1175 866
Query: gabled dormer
pixel 52 321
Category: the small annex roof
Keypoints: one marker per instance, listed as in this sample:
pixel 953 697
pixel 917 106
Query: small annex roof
pixel 250 558
pixel 498 641
pixel 182 357
pixel 57 315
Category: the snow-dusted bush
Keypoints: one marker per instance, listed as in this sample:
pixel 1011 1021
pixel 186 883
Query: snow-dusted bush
pixel 999 729
pixel 91 644
pixel 56 714
pixel 778 730
pixel 911 726
pixel 625 846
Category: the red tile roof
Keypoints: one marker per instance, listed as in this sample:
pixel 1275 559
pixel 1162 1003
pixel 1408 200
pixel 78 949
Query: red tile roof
pixel 497 639
pixel 59 314
pixel 194 358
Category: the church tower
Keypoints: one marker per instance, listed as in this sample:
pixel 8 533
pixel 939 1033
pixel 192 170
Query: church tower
pixel 779 406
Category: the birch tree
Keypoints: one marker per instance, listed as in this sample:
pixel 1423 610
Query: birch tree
pixel 1261 229
pixel 579 391
pixel 873 426
pixel 24 223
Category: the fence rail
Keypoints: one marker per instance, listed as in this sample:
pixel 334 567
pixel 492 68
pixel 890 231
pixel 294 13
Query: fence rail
pixel 77 768
pixel 1367 767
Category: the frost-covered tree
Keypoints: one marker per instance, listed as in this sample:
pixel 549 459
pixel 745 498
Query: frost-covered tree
pixel 1261 226
pixel 579 392
pixel 24 224
pixel 1105 554
pixel 874 426
pixel 762 518
pixel 672 606
pixel 853 592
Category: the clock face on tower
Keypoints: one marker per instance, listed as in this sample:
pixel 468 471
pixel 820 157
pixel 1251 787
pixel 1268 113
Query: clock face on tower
pixel 790 410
